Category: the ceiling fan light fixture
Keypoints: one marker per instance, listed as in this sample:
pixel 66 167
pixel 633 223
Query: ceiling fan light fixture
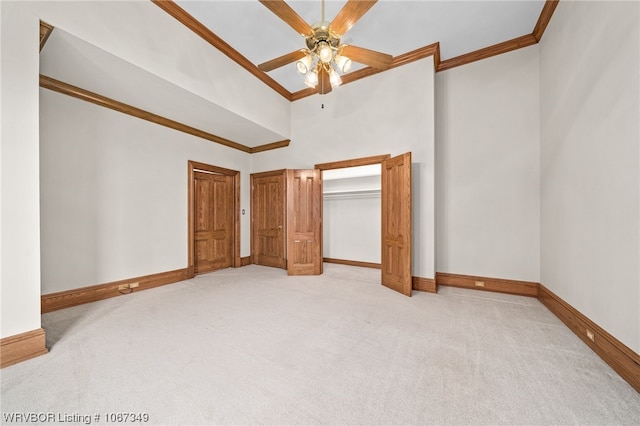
pixel 325 53
pixel 343 63
pixel 304 65
pixel 312 79
pixel 322 61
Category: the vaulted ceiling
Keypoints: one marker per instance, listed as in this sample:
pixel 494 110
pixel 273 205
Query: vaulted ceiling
pixel 454 32
pixel 251 34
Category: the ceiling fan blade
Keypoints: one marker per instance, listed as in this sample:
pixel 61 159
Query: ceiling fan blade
pixel 288 15
pixel 282 60
pixel 368 57
pixel 324 82
pixel 350 14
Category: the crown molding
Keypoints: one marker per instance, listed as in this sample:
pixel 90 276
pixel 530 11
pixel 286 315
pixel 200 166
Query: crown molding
pixel 270 146
pixel 103 101
pixel 404 59
pixel 434 50
pixel 45 32
pixel 507 46
pixel 487 52
pixel 545 16
pixel 430 50
pixel 398 61
pixel 210 37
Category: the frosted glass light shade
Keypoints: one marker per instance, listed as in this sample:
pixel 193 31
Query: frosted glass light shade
pixel 312 79
pixel 304 65
pixel 343 63
pixel 324 52
pixel 334 78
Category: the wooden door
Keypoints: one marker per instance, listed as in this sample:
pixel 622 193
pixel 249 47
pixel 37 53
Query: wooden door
pixel 396 223
pixel 213 221
pixel 268 212
pixel 304 222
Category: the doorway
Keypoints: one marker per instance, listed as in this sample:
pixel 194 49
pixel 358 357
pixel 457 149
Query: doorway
pixel 352 216
pixel 395 218
pixel 213 218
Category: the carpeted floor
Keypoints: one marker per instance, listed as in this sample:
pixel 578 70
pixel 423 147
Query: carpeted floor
pixel 253 346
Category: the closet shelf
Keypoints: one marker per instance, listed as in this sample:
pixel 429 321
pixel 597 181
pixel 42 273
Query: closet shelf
pixel 352 193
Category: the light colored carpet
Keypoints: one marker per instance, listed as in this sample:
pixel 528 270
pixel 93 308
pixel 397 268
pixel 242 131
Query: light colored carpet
pixel 253 346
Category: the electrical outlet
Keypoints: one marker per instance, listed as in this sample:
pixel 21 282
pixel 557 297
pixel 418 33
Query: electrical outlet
pixel 591 336
pixel 123 287
pixel 134 285
pixel 479 283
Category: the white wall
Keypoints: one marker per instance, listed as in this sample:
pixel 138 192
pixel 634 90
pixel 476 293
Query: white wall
pixel 142 34
pixel 389 113
pixel 121 28
pixel 20 279
pixel 590 161
pixel 487 167
pixel 351 219
pixel 588 95
pixel 114 193
pixel 74 61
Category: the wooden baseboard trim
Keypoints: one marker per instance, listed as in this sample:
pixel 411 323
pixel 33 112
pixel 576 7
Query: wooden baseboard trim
pixel 66 299
pixel 21 347
pixel 424 284
pixel 352 263
pixel 615 353
pixel 499 285
pixel 620 357
pixel 245 261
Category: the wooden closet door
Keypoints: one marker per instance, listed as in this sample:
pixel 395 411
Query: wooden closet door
pixel 268 211
pixel 213 221
pixel 396 223
pixel 304 222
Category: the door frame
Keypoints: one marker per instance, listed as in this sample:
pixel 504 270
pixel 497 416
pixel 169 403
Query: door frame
pixel 364 161
pixel 192 167
pixel 355 162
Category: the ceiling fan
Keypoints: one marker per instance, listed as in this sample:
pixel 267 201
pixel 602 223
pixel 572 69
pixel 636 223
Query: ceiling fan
pixel 324 52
